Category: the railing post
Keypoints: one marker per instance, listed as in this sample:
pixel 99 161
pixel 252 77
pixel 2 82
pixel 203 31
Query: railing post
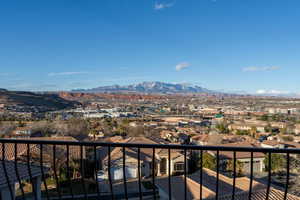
pixel 36 179
pixel 5 192
pixel 10 187
pixel 36 182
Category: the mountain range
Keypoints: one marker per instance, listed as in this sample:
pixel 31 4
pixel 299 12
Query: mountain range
pixel 46 100
pixel 148 87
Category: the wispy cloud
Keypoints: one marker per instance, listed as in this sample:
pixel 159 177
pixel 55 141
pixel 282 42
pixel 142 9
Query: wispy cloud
pixel 272 92
pixel 161 6
pixel 181 66
pixel 261 69
pixel 26 86
pixel 66 73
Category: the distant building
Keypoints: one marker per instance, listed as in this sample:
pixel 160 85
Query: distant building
pixel 21 132
pixel 243 157
pixel 161 160
pixel 297 129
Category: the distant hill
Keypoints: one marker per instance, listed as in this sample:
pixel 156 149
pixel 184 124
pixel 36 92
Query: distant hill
pixel 148 87
pixel 46 100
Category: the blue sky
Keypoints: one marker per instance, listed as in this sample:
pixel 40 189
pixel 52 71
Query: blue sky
pixel 232 45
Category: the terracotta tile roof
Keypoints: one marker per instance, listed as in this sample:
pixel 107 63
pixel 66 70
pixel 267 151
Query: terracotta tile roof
pixel 259 195
pixel 177 184
pixel 47 149
pixel 61 149
pixel 271 142
pixel 225 187
pixel 146 153
pixel 22 170
pixel 240 155
pixel 10 150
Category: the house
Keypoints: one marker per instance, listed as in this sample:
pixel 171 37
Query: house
pixel 288 111
pixel 239 126
pixel 200 139
pixel 242 157
pixel 209 179
pixel 207 139
pixel 297 129
pixel 248 126
pixel 171 136
pixel 131 156
pixel 8 191
pixel 96 135
pixel 279 125
pixel 22 132
pixel 271 144
pixel 35 151
pixel 279 144
pixel 74 151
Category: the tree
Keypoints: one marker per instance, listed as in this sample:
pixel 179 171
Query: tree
pixel 277 162
pixel 264 118
pixel 43 127
pixel 78 128
pixel 21 124
pixel 283 131
pixel 288 138
pixel 209 161
pixel 253 131
pixel 222 128
pixel 238 164
pixel 6 128
pixel 268 128
pixel 243 132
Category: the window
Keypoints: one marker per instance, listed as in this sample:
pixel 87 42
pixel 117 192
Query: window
pixel 179 166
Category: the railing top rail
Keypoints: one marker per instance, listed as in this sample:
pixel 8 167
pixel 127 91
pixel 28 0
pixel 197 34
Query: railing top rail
pixel 157 146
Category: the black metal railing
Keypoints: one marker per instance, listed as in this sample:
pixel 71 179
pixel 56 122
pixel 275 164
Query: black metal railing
pixel 71 170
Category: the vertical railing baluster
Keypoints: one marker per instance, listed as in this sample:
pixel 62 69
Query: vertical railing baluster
pixel 30 173
pixel 287 175
pixel 269 175
pixel 17 171
pixel 5 172
pixel 109 174
pixel 169 173
pixel 96 169
pixel 251 176
pixel 69 172
pixel 201 174
pixel 139 173
pixel 82 171
pixel 124 173
pixel 55 173
pixel 42 170
pixel 217 182
pixel 32 160
pixel 234 175
pixel 185 174
pixel 153 173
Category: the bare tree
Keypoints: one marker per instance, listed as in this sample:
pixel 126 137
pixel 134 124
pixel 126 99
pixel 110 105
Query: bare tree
pixel 6 128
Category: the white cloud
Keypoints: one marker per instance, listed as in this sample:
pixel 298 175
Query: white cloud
pixel 272 92
pixel 256 69
pixel 161 6
pixel 261 92
pixel 66 73
pixel 181 66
